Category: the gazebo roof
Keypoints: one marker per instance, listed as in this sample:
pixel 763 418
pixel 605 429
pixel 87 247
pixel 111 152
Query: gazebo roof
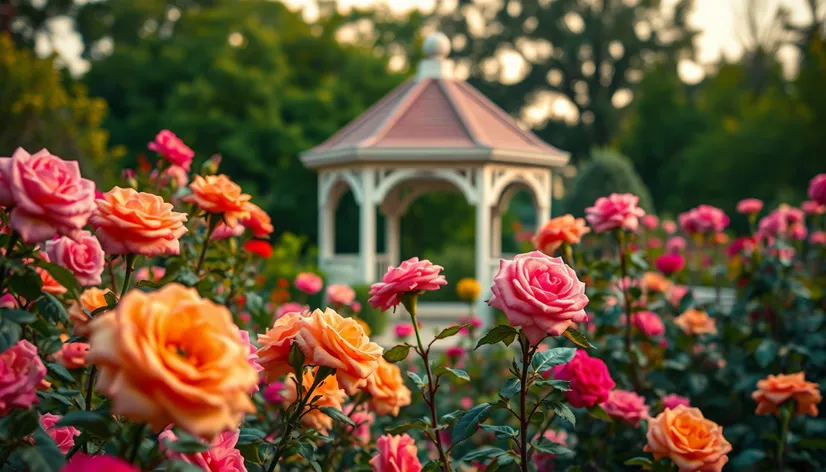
pixel 434 117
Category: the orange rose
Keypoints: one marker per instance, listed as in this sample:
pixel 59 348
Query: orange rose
pixel 692 442
pixel 562 229
pixel 387 389
pixel 170 356
pixel 331 395
pixel 258 222
pixel 775 390
pixel 275 344
pixel 50 285
pixel 655 282
pixel 696 322
pixel 131 222
pixel 218 194
pixel 90 300
pixel 327 338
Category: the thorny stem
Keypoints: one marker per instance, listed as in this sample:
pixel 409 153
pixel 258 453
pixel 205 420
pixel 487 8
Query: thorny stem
pixel 623 260
pixel 527 353
pixel 212 222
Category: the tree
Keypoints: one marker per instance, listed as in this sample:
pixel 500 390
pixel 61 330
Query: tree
pixel 587 53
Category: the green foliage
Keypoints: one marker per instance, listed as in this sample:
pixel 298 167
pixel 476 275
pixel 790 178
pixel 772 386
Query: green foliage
pixel 606 172
pixel 376 319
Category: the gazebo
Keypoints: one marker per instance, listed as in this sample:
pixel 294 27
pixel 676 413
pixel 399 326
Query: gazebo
pixel 432 133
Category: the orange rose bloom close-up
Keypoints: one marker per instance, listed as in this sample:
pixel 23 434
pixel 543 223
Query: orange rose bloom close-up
pixel 172 357
pixel 692 442
pixel 696 322
pixel 258 221
pixel 275 344
pixel 331 395
pixel 562 229
pixel 219 194
pixel 387 390
pixel 775 390
pixel 327 338
pixel 131 222
pixel 90 300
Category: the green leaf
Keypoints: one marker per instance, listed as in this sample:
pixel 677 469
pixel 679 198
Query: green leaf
pixel 92 422
pixel 27 284
pixel 747 458
pixel 18 316
pixel 456 373
pixel 501 432
pixel 765 353
pixel 597 412
pixel 49 453
pixel 564 385
pixel 111 299
pixel 469 422
pixel 451 331
pixel 9 334
pixel 397 353
pixel 545 360
pixel 149 284
pixel 644 462
pixel 337 415
pixel 187 445
pixel 501 333
pixel 60 372
pixel 431 466
pixel 62 275
pixel 505 459
pixel 564 411
pixel 547 446
pixel 483 453
pixel 51 308
pixel 511 388
pixel 23 423
pixel 418 424
pixel 578 338
pixel 250 435
pixel 296 360
pixel 416 379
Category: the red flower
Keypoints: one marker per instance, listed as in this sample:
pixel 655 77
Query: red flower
pixel 259 248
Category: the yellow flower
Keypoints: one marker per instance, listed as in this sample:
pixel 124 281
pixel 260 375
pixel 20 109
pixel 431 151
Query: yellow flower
pixel 468 289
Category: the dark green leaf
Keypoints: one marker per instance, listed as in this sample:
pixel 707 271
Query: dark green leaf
pixel 747 458
pixel 511 388
pixel 501 432
pixel 23 423
pixel 597 412
pixel 451 331
pixel 62 275
pixel 501 333
pixel 418 424
pixel 547 446
pixel 111 299
pixel 60 372
pixel 27 284
pixel 765 353
pixel 641 461
pixel 564 385
pixel 9 335
pixel 48 451
pixel 484 452
pixel 544 360
pixel 469 422
pixel 93 422
pixel 456 373
pixel 397 353
pixel 51 308
pixel 564 411
pixel 431 466
pixel 578 338
pixel 187 445
pixel 149 284
pixel 505 459
pixel 181 466
pixel 18 316
pixel 337 415
pixel 249 435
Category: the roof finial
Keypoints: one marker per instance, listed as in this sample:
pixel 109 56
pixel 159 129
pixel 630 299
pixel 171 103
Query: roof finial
pixel 436 48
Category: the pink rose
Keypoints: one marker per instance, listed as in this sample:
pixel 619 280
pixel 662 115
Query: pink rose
pixel 63 436
pixel 669 226
pixel 82 255
pixel 626 406
pixel 466 403
pixel 272 393
pixel 21 371
pixel 615 211
pixel 773 225
pixel 540 293
pixel 412 275
pixel 81 462
pixel 704 219
pixel 672 400
pixel 811 207
pixel 654 243
pixel 172 149
pixel 363 419
pixel 817 189
pixel 291 307
pixel 546 462
pixel 791 214
pixel 798 232
pixel 220 457
pixel 649 323
pixel 175 175
pixel 676 293
pixel 591 383
pixel 675 244
pixel 308 283
pixel 50 197
pixel 404 330
pixel 72 355
pixel 818 237
pixel 154 273
pixel 670 263
pixel 396 454
pixel 650 221
pixel 7 301
pixel 340 294
pixel 222 231
pixel 455 352
pixel 749 206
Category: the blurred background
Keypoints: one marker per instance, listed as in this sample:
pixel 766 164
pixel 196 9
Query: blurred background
pixel 681 102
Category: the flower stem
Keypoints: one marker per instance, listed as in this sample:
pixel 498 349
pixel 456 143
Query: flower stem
pixel 130 267
pixel 90 385
pixel 139 431
pixel 212 222
pixel 785 419
pixel 292 421
pixel 523 398
pixel 623 262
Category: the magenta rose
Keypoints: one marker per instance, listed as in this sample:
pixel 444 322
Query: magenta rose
pixel 650 221
pixel 773 225
pixel 404 330
pixel 6 197
pixel 82 255
pixel 396 454
pixel 171 148
pixel 591 383
pixel 412 276
pixel 626 406
pixel 81 462
pixel 817 189
pixel 272 393
pixel 308 283
pixel 64 436
pixel 704 219
pixel 340 294
pixel 222 456
pixel 670 263
pixel 818 237
pixel 540 293
pixel 49 195
pixel 21 371
pixel 649 323
pixel 615 211
pixel 672 400
pixel 749 206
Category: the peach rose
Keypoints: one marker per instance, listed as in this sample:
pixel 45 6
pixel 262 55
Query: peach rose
pixel 220 195
pixel 626 406
pixel 562 229
pixel 168 145
pixel 615 211
pixel 331 395
pixel 387 389
pixel 49 195
pixel 775 390
pixel 63 436
pixel 274 353
pixel 396 454
pixel 82 255
pixel 131 222
pixel 692 442
pixel 540 293
pixel 170 356
pixel 258 222
pixel 49 284
pixel 90 300
pixel 696 322
pixel 21 371
pixel 412 276
pixel 327 338
pixel 654 282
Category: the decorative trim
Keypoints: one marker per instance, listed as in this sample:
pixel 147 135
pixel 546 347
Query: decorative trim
pixel 461 178
pixel 328 179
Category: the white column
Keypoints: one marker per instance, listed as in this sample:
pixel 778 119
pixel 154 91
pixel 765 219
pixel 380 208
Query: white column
pixel 483 246
pixel 391 238
pixel 367 227
pixel 496 232
pixel 326 222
